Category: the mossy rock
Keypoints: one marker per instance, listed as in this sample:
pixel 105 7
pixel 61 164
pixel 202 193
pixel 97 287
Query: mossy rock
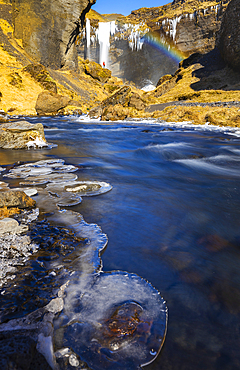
pixel 41 75
pixel 97 72
pixel 110 88
pixel 15 79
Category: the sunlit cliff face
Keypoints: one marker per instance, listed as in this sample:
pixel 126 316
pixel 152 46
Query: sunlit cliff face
pixel 49 28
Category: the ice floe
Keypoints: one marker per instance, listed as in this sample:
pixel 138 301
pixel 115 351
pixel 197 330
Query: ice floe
pixel 119 323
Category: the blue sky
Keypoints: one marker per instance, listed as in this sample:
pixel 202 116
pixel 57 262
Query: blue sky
pixel 125 6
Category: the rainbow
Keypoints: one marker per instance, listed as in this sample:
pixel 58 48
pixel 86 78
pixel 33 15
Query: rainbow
pixel 168 49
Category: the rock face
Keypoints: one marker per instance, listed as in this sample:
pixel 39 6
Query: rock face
pixel 48 29
pixel 19 135
pixel 229 35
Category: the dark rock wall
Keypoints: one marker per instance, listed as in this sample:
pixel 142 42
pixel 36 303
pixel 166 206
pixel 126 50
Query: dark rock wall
pixel 48 29
pixel 229 36
pixel 198 34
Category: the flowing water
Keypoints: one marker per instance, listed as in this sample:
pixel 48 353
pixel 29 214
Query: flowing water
pixel 171 218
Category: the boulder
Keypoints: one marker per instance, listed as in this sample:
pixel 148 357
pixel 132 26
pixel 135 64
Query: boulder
pixel 50 103
pixel 124 98
pixel 41 75
pixel 20 134
pixel 97 72
pixel 12 198
pixel 228 40
pixel 48 29
pixel 114 113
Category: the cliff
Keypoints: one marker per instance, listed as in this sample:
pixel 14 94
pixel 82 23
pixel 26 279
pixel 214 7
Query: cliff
pixel 190 25
pixel 229 36
pixel 48 29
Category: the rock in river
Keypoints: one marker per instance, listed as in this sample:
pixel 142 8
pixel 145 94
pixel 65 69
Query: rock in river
pixel 21 135
pixel 12 198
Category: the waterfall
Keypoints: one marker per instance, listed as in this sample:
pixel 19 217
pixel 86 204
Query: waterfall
pixel 104 31
pixel 88 32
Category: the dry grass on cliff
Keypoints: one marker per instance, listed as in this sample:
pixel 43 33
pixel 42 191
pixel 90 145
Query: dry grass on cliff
pixel 200 115
pixel 184 92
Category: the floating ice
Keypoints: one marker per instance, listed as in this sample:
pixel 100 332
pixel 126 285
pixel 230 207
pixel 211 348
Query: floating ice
pixel 30 192
pixel 2 169
pixel 79 188
pixel 52 177
pixel 120 323
pixel 44 163
pixel 21 172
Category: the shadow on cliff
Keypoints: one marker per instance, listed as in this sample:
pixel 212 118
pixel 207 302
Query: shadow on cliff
pixel 212 71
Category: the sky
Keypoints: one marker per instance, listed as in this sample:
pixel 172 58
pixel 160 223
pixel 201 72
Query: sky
pixel 125 6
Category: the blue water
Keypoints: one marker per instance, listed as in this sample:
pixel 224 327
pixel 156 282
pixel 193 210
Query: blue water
pixel 172 217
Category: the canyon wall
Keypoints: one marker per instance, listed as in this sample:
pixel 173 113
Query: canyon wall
pixel 48 29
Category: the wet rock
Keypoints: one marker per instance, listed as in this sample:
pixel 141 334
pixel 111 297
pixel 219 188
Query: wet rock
pixel 97 72
pixel 11 198
pixel 229 36
pixel 50 103
pixel 14 250
pixel 17 135
pixel 41 75
pixel 9 225
pixel 19 352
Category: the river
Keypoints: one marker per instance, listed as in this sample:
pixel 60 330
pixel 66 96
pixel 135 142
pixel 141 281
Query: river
pixel 172 218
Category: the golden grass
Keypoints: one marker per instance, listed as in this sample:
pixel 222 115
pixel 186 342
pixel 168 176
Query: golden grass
pixel 183 91
pixel 221 116
pixel 6 212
